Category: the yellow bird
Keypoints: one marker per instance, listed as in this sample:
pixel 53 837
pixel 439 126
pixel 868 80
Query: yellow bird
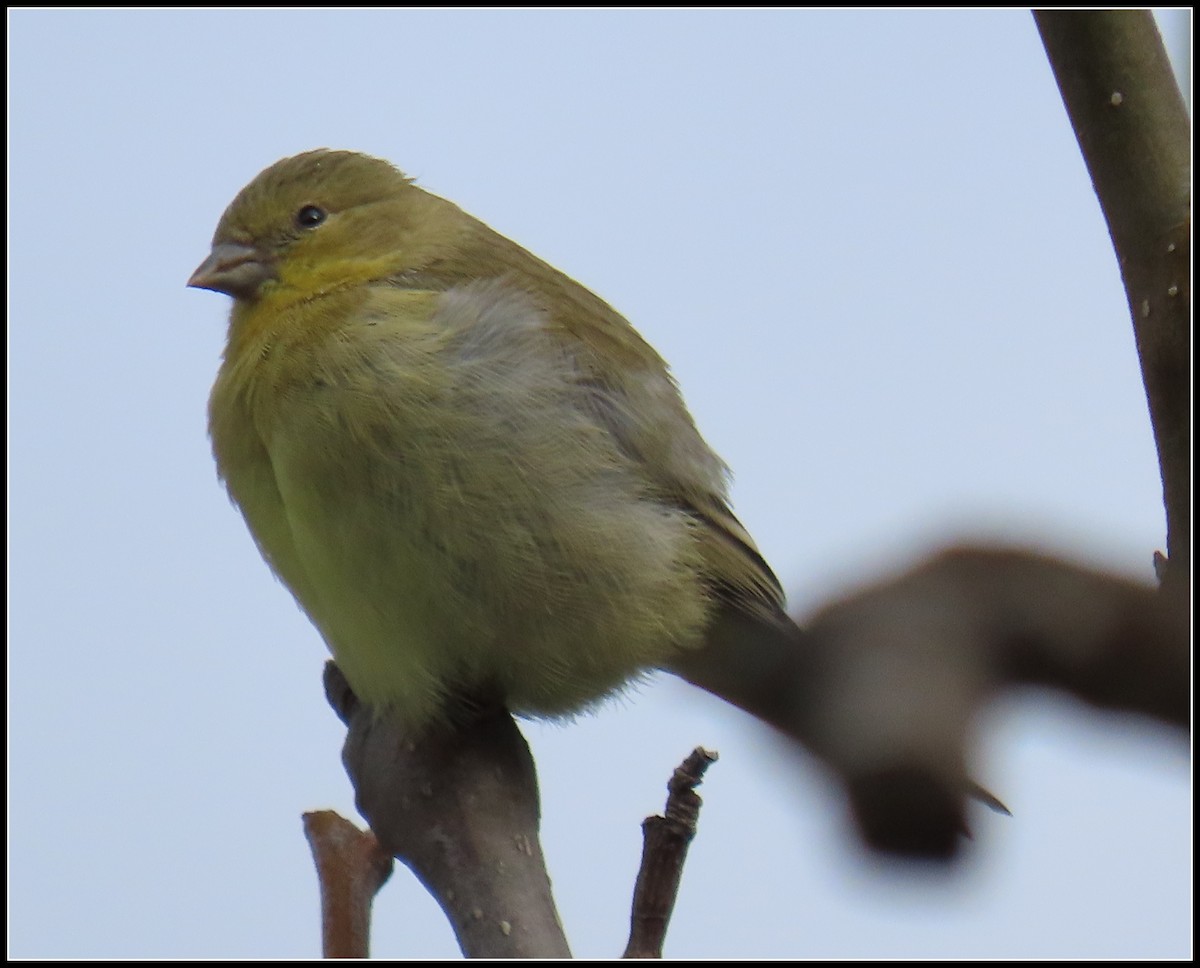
pixel 476 478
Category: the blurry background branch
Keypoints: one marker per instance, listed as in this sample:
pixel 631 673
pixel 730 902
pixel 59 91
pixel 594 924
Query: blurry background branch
pixel 902 668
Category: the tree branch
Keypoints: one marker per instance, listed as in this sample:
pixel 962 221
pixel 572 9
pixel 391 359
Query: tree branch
pixel 351 868
pixel 665 842
pixel 902 668
pixel 1133 129
pixel 459 806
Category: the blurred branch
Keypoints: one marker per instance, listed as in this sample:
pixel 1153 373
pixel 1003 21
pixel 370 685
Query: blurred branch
pixel 1133 129
pixel 900 669
pixel 665 842
pixel 351 868
pixel 459 806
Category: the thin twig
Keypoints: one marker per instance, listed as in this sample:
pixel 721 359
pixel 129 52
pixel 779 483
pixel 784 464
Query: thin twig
pixel 351 868
pixel 664 850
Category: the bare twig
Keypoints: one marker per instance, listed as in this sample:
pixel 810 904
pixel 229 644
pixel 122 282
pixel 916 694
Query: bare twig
pixel 459 806
pixel 664 850
pixel 351 868
pixel 1133 128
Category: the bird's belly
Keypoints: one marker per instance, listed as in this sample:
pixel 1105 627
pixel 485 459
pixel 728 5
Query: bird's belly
pixel 426 587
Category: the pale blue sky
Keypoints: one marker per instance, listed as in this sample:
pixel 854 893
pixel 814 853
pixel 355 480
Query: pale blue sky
pixel 867 244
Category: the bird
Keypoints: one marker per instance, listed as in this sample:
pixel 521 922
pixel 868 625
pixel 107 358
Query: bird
pixel 476 478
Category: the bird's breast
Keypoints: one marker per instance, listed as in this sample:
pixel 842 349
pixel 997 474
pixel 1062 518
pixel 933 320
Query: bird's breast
pixel 434 480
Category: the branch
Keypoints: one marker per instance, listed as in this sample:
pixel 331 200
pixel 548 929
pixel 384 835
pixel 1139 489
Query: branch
pixel 904 666
pixel 664 849
pixel 459 806
pixel 351 868
pixel 901 668
pixel 1133 129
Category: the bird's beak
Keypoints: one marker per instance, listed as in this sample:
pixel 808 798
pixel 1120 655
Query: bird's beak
pixel 233 268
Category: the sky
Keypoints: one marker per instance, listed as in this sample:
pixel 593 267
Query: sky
pixel 868 246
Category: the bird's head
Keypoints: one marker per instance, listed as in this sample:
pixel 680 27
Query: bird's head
pixel 322 220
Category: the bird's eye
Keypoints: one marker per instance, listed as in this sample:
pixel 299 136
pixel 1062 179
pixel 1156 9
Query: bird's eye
pixel 309 217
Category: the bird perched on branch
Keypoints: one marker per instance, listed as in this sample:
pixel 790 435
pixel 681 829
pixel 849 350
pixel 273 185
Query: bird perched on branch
pixel 483 485
pixel 473 474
